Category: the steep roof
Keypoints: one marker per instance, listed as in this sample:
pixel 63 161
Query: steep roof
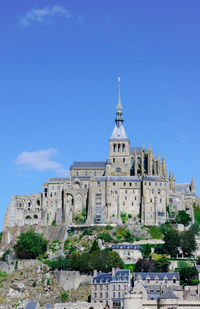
pixel 102 278
pixel 127 246
pixel 119 133
pixel 168 294
pixel 160 276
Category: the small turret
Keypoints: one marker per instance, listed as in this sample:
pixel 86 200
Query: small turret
pixel 193 185
pixel 158 162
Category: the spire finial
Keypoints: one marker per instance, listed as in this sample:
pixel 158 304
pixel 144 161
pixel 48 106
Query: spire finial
pixel 119 113
pixel 119 105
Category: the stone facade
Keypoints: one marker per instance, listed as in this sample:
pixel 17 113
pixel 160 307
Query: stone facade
pixel 132 180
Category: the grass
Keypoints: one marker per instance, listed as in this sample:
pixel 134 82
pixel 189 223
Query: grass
pixel 196 210
pixel 154 231
pixel 130 266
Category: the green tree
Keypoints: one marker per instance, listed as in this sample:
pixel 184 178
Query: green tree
pixel 105 236
pixel 183 218
pixel 145 265
pixel 147 250
pixel 61 263
pixel 95 246
pixel 187 275
pixel 30 245
pixel 195 228
pixel 1 234
pixel 172 241
pixel 124 217
pixel 162 264
pixel 188 242
pixel 128 236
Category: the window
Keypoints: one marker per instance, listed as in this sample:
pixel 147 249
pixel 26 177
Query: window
pixel 106 287
pixel 161 184
pixel 86 173
pixel 145 183
pixel 51 194
pixel 95 295
pixel 118 294
pixel 123 203
pixel 151 200
pixel 101 287
pixel 113 183
pixel 124 184
pixel 113 287
pixel 119 287
pixel 119 147
pixel 99 183
pixel 95 287
pixel 135 198
pixel 165 281
pixel 114 148
pixel 130 184
pixel 113 294
pixel 123 149
pixel 95 173
pixel 123 159
pixel 38 202
pixel 113 160
pixel 136 184
pixel 101 295
pixel 132 203
pixel 156 184
pixel 150 183
pixel 158 191
pixel 165 184
pixel 160 200
pixel 106 295
pixel 125 197
pixel 85 186
pixel 54 193
pixel 124 287
pixel 76 173
pixel 174 280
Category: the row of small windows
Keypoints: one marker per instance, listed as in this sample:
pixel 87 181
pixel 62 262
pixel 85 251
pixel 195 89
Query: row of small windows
pixel 156 184
pixel 151 200
pixel 86 173
pixel 130 184
pixel 118 147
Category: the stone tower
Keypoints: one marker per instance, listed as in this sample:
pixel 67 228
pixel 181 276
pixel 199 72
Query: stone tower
pixel 118 162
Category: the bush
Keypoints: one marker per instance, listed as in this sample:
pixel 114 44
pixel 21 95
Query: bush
pixel 154 231
pixel 109 227
pixel 183 218
pixel 53 223
pixel 34 284
pixel 124 217
pixel 1 234
pixel 61 263
pixel 196 210
pixel 64 296
pixel 30 245
pixel 105 236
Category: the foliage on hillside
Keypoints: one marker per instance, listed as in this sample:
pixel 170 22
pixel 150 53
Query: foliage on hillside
pixel 30 245
pixel 196 210
pixel 154 231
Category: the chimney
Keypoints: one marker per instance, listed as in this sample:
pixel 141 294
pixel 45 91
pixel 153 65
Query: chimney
pixel 94 273
pixel 114 271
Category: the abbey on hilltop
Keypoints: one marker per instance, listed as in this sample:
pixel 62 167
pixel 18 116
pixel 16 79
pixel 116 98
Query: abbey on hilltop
pixel 132 181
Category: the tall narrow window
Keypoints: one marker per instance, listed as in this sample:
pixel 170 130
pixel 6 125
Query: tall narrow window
pixel 119 147
pixel 114 148
pixel 123 148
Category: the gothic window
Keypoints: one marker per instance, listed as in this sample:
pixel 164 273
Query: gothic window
pixel 149 183
pixel 161 184
pixel 123 159
pixel 130 184
pixel 86 173
pixel 151 200
pixel 124 184
pixel 119 147
pixel 95 173
pixel 123 147
pixel 114 148
pixel 132 172
pixel 113 183
pixel 160 200
pixel 76 173
pixel 113 160
pixel 38 202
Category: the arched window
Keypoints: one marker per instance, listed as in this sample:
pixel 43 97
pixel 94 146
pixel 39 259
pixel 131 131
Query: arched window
pixel 114 148
pixel 35 217
pixel 123 148
pixel 38 202
pixel 119 147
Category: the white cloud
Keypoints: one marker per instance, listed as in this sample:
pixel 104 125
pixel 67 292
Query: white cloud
pixel 44 15
pixel 40 161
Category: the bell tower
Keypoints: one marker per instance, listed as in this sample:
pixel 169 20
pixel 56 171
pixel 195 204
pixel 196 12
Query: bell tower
pixel 118 163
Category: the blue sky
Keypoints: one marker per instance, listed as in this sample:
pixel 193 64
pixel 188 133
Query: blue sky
pixel 59 63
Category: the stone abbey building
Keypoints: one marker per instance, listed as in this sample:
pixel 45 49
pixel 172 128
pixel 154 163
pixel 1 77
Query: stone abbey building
pixel 132 181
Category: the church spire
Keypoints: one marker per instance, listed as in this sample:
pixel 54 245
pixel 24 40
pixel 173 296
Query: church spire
pixel 119 114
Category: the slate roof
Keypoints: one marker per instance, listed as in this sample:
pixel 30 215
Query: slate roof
pixel 127 246
pixel 118 178
pixel 154 178
pixel 168 294
pixel 102 278
pixel 121 276
pixel 137 149
pixel 182 187
pixel 119 133
pixel 88 164
pixel 160 276
pixel 31 305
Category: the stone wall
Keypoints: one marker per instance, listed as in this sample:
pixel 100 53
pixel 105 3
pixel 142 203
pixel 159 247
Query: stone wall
pixel 79 305
pixel 7 267
pixel 26 263
pixel 69 280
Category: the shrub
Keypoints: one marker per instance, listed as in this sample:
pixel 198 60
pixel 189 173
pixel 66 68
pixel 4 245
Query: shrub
pixel 183 218
pixel 124 217
pixel 105 236
pixel 64 296
pixel 154 231
pixel 129 216
pixel 34 284
pixel 196 210
pixel 1 234
pixel 61 263
pixel 109 227
pixel 30 245
pixel 53 223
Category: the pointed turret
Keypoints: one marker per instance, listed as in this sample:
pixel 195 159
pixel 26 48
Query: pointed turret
pixel 164 168
pixel 119 132
pixel 158 163
pixel 193 185
pixel 149 149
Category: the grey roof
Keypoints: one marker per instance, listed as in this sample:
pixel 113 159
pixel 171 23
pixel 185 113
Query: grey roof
pixel 102 278
pixel 119 133
pixel 89 164
pixel 137 149
pixel 160 276
pixel 154 178
pixel 118 178
pixel 182 187
pixel 31 305
pixel 127 246
pixel 168 294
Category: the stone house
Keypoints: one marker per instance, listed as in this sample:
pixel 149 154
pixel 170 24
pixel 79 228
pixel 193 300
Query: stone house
pixel 130 254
